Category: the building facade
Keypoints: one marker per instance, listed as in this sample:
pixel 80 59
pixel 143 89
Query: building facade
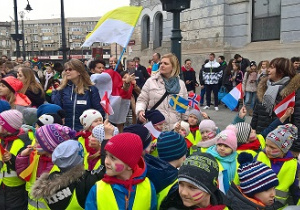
pixel 5 39
pixel 257 30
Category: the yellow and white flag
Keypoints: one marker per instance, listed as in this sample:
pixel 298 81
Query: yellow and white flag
pixel 115 26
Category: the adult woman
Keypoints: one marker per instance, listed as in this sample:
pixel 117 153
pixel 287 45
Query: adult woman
pixel 76 94
pixel 155 87
pixel 31 88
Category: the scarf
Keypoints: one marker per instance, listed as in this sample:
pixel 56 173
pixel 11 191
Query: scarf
pixel 254 145
pixel 211 207
pixel 194 128
pixel 44 161
pixel 8 139
pixel 207 143
pixel 172 85
pixel 270 95
pixel 228 162
pixel 47 78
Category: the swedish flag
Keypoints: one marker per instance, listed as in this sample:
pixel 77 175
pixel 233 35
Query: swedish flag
pixel 178 103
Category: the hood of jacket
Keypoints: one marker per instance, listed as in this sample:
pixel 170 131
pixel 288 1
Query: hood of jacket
pixel 48 184
pixel 160 172
pixel 184 69
pixel 22 100
pixel 293 85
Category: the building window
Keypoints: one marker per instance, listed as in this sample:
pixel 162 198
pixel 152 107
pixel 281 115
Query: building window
pixel 76 29
pixel 266 20
pixel 145 32
pixel 45 38
pixel 158 30
pixel 45 30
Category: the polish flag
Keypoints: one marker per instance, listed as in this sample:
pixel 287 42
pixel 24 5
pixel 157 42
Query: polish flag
pixel 232 98
pixel 106 104
pixel 287 102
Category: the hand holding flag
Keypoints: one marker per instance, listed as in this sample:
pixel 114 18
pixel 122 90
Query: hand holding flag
pixel 287 102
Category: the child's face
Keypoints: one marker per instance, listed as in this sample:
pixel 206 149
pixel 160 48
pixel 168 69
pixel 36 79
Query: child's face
pixel 192 120
pixel 224 150
pixel 266 197
pixel 114 166
pixel 96 122
pixel 252 136
pixel 2 130
pixel 182 132
pixel 3 90
pixel 207 134
pixel 272 150
pixel 191 195
pixel 159 126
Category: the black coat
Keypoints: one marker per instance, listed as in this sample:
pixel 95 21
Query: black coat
pixel 189 75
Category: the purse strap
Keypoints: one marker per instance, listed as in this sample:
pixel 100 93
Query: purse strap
pixel 160 100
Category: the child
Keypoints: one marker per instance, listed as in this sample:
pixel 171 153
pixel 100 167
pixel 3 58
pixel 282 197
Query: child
pixel 198 188
pixel 12 191
pixel 124 185
pixel 194 118
pixel 10 88
pixel 257 185
pixel 225 153
pixel 280 159
pixel 183 128
pixel 208 131
pixel 38 158
pixel 68 187
pixel 89 119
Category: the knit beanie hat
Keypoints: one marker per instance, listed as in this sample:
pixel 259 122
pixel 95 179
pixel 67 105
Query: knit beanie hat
pixel 228 137
pixel 200 170
pixel 208 125
pixel 12 83
pixel 171 146
pixel 29 116
pixel 49 136
pixel 186 126
pixel 255 177
pixel 140 130
pixel 88 117
pixel 243 132
pixel 196 113
pixel 127 147
pixel 154 116
pixel 50 108
pixel 99 132
pixel 283 136
pixel 11 120
pixel 253 63
pixel 68 154
pixel 4 105
pixel 50 118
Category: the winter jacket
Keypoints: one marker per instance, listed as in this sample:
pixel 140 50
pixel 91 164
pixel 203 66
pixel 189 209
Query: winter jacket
pixel 145 75
pixel 211 73
pixel 239 77
pixel 250 81
pixel 152 92
pixel 75 104
pixel 36 98
pixel 189 75
pixel 244 64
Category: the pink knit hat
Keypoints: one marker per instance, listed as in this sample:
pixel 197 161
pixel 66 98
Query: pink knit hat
pixel 11 120
pixel 228 137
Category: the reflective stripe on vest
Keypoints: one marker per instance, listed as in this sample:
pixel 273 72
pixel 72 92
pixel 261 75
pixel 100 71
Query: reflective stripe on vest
pixel 34 204
pixel 11 179
pixel 86 154
pixel 194 141
pixel 163 194
pixel 262 141
pixel 106 198
pixel 288 169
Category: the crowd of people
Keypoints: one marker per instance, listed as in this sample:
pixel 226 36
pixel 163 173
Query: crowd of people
pixel 60 148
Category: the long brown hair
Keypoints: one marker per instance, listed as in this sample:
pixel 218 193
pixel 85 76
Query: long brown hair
pixel 84 81
pixel 283 67
pixel 30 81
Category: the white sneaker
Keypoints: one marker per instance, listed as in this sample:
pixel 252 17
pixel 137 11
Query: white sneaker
pixel 206 107
pixel 216 108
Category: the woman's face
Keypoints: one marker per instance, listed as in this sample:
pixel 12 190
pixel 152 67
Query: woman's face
pixel 166 67
pixel 71 73
pixel 234 67
pixel 272 74
pixel 20 76
pixel 264 65
pixel 4 90
pixel 49 70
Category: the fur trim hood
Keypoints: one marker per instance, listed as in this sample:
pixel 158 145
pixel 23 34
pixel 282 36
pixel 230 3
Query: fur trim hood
pixel 293 85
pixel 49 184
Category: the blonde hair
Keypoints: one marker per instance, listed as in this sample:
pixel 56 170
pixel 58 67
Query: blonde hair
pixel 260 65
pixel 84 81
pixel 175 64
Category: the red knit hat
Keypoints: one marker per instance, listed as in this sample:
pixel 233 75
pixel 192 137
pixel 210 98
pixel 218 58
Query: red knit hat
pixel 12 83
pixel 127 147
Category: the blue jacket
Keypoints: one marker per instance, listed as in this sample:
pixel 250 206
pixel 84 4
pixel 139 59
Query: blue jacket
pixel 120 191
pixel 75 104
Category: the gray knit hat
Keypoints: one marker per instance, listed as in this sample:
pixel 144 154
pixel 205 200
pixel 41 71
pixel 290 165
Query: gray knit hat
pixel 196 113
pixel 243 132
pixel 29 115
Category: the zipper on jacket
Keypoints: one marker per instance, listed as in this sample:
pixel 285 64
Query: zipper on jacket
pixel 74 106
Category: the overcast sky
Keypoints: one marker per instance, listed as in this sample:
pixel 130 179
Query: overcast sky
pixel 47 9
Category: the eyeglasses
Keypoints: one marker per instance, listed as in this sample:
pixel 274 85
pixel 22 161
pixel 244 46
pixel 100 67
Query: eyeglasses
pixel 68 69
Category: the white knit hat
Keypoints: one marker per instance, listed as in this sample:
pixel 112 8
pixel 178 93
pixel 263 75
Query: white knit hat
pixel 186 126
pixel 88 117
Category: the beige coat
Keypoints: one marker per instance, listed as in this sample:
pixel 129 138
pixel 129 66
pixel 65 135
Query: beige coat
pixel 152 91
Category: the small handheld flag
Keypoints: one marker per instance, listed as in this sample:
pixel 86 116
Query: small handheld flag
pixel 26 174
pixel 231 100
pixel 106 104
pixel 194 100
pixel 287 102
pixel 178 103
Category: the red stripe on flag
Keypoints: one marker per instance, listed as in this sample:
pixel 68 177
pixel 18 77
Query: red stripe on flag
pixel 287 102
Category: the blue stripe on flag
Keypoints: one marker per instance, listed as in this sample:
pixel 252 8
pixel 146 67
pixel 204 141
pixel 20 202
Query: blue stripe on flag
pixel 230 101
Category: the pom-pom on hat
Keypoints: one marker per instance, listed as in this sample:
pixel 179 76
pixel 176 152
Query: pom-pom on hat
pixel 155 116
pixel 50 118
pixel 243 132
pixel 228 137
pixel 171 146
pixel 200 170
pixel 11 120
pixel 12 83
pixel 99 132
pixel 4 105
pixel 284 136
pixel 196 113
pixel 127 147
pixel 49 136
pixel 255 177
pixel 140 130
pixel 88 117
pixel 208 125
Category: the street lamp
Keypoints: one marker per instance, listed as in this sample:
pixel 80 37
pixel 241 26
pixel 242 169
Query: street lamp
pixel 175 7
pixel 22 14
pixel 63 48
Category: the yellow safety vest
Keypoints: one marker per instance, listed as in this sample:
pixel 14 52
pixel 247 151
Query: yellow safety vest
pixel 286 176
pixel 194 140
pixel 236 177
pixel 31 137
pixel 86 154
pixel 11 179
pixel 106 198
pixel 154 152
pixel 97 164
pixel 163 194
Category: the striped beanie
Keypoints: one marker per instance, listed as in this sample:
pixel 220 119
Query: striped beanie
pixel 255 177
pixel 243 132
pixel 11 120
pixel 171 146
